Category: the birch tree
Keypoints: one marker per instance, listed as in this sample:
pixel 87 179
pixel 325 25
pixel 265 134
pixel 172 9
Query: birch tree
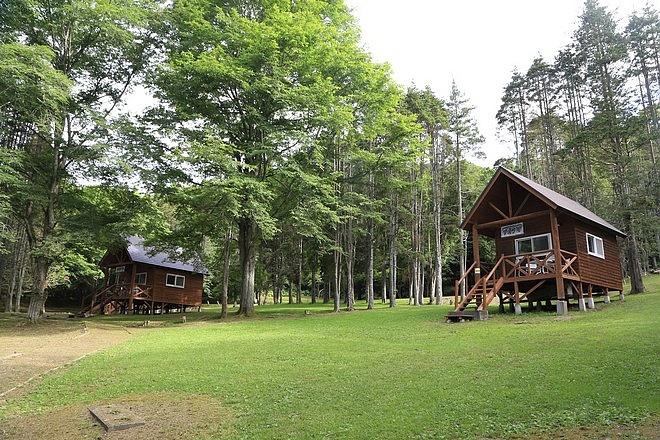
pixel 465 139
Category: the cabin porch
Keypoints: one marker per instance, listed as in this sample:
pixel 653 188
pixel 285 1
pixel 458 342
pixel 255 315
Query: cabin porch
pixel 532 277
pixel 125 299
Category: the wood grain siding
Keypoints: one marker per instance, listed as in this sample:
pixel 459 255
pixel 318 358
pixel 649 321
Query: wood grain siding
pixel 536 226
pixel 604 272
pixel 567 234
pixel 190 294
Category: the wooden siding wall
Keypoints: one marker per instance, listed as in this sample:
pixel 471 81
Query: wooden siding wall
pixel 191 294
pixel 536 226
pixel 567 234
pixel 573 237
pixel 602 272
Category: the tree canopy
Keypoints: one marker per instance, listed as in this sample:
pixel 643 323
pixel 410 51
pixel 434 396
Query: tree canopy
pixel 280 152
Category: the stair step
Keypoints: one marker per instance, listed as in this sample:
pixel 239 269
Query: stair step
pixel 477 315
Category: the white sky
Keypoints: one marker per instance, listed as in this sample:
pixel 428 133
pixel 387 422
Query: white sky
pixel 477 43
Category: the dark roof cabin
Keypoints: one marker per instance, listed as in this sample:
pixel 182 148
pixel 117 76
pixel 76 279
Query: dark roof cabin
pixel 550 248
pixel 140 280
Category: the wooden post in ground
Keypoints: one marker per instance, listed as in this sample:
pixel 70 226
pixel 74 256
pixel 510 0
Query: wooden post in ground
pixel 581 304
pixel 475 253
pixel 562 306
pixel 130 310
pixel 590 301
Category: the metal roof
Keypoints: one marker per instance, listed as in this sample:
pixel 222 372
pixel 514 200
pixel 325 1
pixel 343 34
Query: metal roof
pixel 554 198
pixel 145 254
pixel 548 196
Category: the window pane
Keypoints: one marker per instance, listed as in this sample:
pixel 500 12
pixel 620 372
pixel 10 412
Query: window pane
pixel 523 245
pixel 171 279
pixel 180 280
pixel 595 246
pixel 541 243
pixel 599 247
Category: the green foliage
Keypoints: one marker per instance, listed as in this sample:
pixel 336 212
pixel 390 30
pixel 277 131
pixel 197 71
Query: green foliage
pixel 587 125
pixel 509 376
pixel 31 89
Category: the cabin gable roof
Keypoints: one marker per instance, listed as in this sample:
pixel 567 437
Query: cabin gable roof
pixel 137 252
pixel 538 192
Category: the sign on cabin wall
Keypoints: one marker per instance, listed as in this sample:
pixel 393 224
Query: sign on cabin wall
pixel 512 230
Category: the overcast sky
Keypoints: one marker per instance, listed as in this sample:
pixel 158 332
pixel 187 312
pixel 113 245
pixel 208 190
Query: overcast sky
pixel 477 43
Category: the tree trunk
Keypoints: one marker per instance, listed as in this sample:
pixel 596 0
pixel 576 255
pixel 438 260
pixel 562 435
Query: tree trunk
pixel 383 282
pixel 315 292
pixel 437 221
pixel 337 280
pixel 247 235
pixel 300 272
pixel 461 233
pixel 370 248
pixel 370 268
pixel 634 267
pixel 19 286
pixel 394 227
pixel 225 273
pixel 40 268
pixel 350 263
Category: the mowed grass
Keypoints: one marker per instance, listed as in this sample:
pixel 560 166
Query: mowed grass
pixel 388 373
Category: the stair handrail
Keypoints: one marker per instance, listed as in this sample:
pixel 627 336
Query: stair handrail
pixel 485 279
pixel 493 270
pixel 480 283
pixel 458 282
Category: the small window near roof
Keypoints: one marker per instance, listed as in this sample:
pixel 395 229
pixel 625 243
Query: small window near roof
pixel 174 280
pixel 595 246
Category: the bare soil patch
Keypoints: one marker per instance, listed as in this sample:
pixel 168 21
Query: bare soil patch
pixel 166 416
pixel 28 351
pixel 648 430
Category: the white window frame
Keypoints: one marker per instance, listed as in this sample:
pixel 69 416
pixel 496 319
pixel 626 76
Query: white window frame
pixel 141 275
pixel 599 251
pixel 116 278
pixel 531 239
pixel 176 277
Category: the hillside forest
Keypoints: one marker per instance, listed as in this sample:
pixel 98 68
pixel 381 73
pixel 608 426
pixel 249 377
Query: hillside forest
pixel 272 147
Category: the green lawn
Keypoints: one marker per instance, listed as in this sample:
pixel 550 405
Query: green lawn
pixel 388 373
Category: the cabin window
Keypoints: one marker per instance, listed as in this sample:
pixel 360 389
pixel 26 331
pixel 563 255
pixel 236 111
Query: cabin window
pixel 116 278
pixel 174 280
pixel 141 278
pixel 534 243
pixel 595 246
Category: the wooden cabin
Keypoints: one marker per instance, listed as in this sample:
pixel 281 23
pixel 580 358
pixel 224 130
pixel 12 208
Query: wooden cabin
pixel 139 280
pixel 550 248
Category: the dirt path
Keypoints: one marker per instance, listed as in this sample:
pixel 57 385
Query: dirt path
pixel 26 354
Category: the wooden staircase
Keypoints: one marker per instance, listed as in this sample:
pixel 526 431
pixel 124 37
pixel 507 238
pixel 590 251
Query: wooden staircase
pixel 479 295
pixel 98 300
pixel 116 298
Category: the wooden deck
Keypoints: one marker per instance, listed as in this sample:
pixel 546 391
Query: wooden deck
pixel 122 298
pixel 521 277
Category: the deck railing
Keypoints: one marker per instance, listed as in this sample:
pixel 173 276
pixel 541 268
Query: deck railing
pixel 539 264
pixel 530 265
pixel 118 292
